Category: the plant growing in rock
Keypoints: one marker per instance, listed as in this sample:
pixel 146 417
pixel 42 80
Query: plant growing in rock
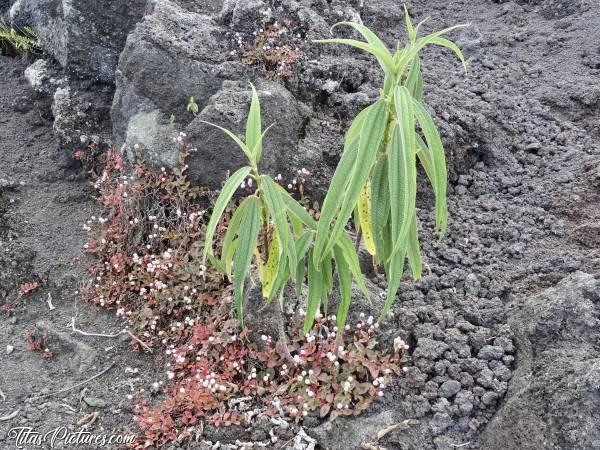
pixel 217 365
pixel 147 266
pixel 192 106
pixel 272 228
pixel 377 176
pixel 14 41
pixel 277 47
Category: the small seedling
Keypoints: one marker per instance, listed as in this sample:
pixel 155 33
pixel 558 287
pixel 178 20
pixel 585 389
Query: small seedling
pixel 192 106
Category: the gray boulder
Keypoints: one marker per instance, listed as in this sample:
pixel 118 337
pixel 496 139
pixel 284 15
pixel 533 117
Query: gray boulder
pixel 82 35
pixel 170 56
pixel 554 396
pixel 217 153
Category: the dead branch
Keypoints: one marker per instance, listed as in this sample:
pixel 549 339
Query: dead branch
pixel 75 385
pixel 114 335
pixel 86 421
pixel 404 423
pixel 49 301
pixel 12 415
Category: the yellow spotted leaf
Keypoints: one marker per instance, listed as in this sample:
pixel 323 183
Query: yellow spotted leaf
pixel 270 269
pixel 364 214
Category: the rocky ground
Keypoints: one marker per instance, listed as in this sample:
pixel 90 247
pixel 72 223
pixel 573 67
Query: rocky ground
pixel 503 330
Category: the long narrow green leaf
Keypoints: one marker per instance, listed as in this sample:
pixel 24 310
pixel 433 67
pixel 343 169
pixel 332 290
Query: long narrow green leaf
pixel 315 289
pixel 233 228
pixel 420 24
pixel 254 127
pixel 413 50
pixel 369 36
pixel 232 184
pixel 228 258
pixel 236 139
pixel 418 92
pixel 426 161
pixel 283 275
pixel 353 132
pixel 434 143
pixel 394 275
pixel 388 85
pixel 302 246
pixel 384 59
pixel 403 173
pixel 296 209
pixel 371 136
pixel 380 202
pixel 327 282
pixel 412 34
pixel 300 274
pixel 297 225
pixel 216 263
pixel 345 245
pixel 247 239
pixel 276 208
pixel 373 40
pixel 257 149
pixel 452 46
pixel 328 272
pixel 345 283
pixel 414 80
pixel 334 198
pixel 414 250
pixel 388 243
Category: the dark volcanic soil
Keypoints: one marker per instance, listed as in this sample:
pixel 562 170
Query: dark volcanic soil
pixel 522 128
pixel 43 204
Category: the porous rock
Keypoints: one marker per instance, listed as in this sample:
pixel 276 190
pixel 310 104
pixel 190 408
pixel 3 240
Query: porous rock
pixel 85 36
pixel 217 154
pixel 553 396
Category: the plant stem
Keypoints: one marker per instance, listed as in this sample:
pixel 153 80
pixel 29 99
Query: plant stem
pixel 264 213
pixel 283 339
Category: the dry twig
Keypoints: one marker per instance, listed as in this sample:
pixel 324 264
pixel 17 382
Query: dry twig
pixel 114 335
pixel 49 301
pixel 12 415
pixel 86 421
pixel 75 385
pixel 404 423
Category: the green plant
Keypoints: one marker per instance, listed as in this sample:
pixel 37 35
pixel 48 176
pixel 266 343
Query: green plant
pixel 377 176
pixel 192 106
pixel 144 261
pixel 272 228
pixel 13 41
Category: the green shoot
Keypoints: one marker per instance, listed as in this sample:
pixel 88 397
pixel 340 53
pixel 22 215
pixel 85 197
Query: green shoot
pixel 272 229
pixel 376 179
pixel 192 106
